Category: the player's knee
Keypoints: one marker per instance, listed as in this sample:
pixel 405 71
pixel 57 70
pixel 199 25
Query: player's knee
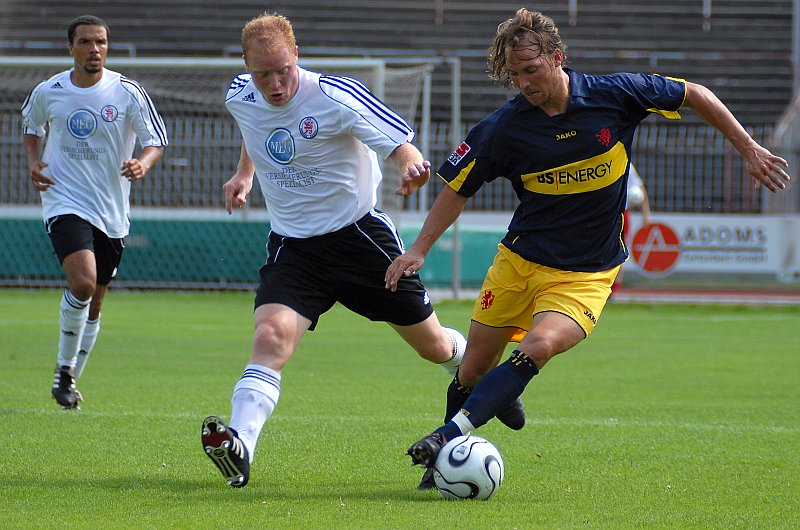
pixel 272 341
pixel 541 349
pixel 83 288
pixel 436 351
pixel 470 374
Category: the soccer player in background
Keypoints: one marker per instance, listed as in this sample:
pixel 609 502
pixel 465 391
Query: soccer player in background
pixel 564 142
pixel 91 117
pixel 636 199
pixel 312 142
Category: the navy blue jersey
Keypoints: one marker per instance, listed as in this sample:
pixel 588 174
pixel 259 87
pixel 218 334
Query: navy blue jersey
pixel 569 171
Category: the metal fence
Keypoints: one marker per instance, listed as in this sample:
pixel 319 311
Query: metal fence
pixel 686 168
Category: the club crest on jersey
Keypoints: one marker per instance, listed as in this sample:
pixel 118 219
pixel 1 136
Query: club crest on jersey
pixel 459 153
pixel 109 113
pixel 81 124
pixel 280 146
pixel 308 127
pixel 604 136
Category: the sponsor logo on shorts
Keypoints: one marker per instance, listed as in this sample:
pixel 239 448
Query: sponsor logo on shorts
pixel 590 316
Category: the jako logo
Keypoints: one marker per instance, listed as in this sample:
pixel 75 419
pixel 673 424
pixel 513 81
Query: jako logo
pixel 280 146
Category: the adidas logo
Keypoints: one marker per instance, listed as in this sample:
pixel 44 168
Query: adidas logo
pixel 56 85
pixel 250 98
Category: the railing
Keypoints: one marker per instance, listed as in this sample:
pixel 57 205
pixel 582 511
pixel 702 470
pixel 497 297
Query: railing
pixel 686 168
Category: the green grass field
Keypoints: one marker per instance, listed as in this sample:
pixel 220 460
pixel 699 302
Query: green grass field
pixel 667 417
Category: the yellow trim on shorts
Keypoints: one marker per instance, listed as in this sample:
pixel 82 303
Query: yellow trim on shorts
pixel 516 289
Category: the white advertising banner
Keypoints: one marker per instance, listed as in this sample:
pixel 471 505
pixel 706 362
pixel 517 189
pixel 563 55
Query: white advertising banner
pixel 713 243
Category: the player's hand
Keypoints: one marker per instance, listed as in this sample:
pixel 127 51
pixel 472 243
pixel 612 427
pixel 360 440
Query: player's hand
pixel 765 168
pixel 134 169
pixel 415 176
pixel 40 181
pixel 236 190
pixel 406 264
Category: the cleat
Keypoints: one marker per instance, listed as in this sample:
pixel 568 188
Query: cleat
pixel 64 391
pixel 513 416
pixel 425 451
pixel 226 450
pixel 427 482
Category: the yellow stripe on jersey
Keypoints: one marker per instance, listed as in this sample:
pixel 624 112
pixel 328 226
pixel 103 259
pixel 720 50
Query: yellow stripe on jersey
pixel 669 114
pixel 457 182
pixel 579 177
pixel 672 115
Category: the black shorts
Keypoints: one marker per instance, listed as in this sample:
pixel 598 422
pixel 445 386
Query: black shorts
pixel 347 266
pixel 69 233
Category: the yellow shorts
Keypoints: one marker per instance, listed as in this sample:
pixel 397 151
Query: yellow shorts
pixel 516 289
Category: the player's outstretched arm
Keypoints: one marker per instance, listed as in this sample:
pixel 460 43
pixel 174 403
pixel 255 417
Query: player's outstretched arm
pixel 237 188
pixel 445 210
pixel 764 167
pixel 414 170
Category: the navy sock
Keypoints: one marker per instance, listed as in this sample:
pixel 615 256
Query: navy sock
pixel 457 394
pixel 495 391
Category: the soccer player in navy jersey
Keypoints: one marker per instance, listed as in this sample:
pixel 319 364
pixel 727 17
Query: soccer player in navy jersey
pixel 92 118
pixel 564 142
pixel 312 141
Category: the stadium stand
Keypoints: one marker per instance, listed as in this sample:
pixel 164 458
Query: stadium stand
pixel 741 49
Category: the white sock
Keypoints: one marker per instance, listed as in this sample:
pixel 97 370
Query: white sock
pixel 254 399
pixel 463 423
pixel 459 345
pixel 72 322
pixel 87 343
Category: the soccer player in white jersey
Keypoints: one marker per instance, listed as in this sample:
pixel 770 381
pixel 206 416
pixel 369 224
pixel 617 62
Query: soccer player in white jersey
pixel 312 141
pixel 91 117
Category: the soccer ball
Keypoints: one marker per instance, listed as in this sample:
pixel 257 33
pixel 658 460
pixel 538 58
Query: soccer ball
pixel 468 467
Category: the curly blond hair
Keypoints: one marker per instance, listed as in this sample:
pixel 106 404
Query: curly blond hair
pixel 525 28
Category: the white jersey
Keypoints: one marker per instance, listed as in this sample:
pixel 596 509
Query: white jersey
pixel 315 157
pixel 90 133
pixel 635 189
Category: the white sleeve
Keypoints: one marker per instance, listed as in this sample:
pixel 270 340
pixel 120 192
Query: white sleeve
pixel 369 119
pixel 146 121
pixel 34 117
